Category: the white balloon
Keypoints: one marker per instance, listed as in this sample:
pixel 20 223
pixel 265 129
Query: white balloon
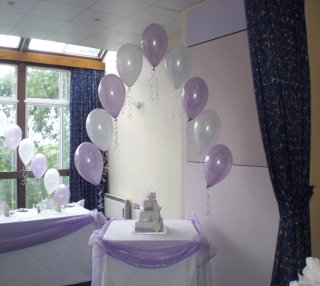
pixel 51 180
pixel 3 123
pixel 26 150
pixel 207 129
pixel 129 63
pixel 99 126
pixel 178 64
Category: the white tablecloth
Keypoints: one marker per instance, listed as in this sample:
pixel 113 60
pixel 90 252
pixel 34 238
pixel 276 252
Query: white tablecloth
pixel 116 272
pixel 64 261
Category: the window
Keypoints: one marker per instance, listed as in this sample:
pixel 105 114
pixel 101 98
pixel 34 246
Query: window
pixel 62 48
pixel 45 46
pixel 40 106
pixel 7 41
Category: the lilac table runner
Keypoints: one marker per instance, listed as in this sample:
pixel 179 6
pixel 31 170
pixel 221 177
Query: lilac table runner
pixel 18 235
pixel 152 254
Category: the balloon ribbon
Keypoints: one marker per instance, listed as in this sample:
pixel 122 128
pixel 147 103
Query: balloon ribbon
pixel 25 176
pixel 116 133
pixel 105 166
pixel 100 198
pixel 154 86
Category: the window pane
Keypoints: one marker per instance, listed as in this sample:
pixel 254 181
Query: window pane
pixel 10 111
pixel 65 180
pixel 44 124
pixel 8 161
pixel 66 137
pixel 46 46
pixel 35 192
pixel 8 192
pixel 8 81
pixel 48 83
pixel 9 41
pixel 82 51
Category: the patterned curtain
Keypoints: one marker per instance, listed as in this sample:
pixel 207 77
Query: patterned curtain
pixel 83 99
pixel 278 49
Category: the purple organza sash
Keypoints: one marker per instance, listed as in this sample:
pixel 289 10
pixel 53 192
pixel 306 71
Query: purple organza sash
pixel 19 235
pixel 151 254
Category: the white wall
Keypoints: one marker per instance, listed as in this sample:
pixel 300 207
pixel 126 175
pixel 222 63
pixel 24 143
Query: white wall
pixel 243 223
pixel 149 153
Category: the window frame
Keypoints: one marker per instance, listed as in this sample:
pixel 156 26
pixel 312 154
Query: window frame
pixel 24 59
pixel 21 105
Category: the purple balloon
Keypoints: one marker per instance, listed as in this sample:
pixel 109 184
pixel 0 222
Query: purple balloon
pixel 154 43
pixel 39 165
pixel 62 194
pixel 89 162
pixel 12 136
pixel 217 164
pixel 194 97
pixel 112 93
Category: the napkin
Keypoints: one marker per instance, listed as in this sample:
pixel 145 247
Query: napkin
pixel 310 274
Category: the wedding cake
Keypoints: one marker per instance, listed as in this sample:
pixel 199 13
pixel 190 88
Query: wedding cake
pixel 150 219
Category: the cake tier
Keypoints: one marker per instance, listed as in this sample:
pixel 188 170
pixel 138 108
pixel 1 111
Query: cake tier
pixel 146 226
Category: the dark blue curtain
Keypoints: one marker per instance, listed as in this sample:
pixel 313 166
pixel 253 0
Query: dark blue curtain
pixel 83 99
pixel 278 49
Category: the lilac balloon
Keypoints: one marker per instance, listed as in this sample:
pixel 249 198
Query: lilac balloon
pixel 13 136
pixel 89 162
pixel 39 165
pixel 112 93
pixel 195 95
pixel 62 194
pixel 217 164
pixel 154 43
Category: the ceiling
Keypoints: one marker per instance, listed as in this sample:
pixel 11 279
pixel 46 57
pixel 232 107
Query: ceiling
pixel 102 24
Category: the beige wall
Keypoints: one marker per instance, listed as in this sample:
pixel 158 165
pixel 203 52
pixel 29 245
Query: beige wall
pixel 243 224
pixel 224 65
pixel 313 24
pixel 244 221
pixel 148 156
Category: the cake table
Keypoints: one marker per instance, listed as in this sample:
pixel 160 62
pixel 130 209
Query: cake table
pixel 178 257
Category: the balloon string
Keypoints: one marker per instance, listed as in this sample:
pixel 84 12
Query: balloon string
pixel 129 103
pixel 208 203
pixel 105 166
pixel 151 84
pixel 175 113
pixel 100 199
pixel 156 84
pixel 38 190
pixel 116 135
pixel 189 132
pixel 201 178
pixel 25 176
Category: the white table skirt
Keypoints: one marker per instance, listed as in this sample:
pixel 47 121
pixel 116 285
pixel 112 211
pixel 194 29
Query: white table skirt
pixel 64 261
pixel 116 272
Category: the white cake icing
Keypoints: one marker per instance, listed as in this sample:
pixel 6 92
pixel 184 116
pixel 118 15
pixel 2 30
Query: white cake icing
pixel 150 219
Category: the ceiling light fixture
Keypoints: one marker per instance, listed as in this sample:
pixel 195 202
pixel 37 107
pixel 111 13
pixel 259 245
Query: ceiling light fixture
pixel 11 3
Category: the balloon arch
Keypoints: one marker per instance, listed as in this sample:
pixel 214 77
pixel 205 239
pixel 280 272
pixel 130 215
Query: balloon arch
pixel 195 94
pixel 112 93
